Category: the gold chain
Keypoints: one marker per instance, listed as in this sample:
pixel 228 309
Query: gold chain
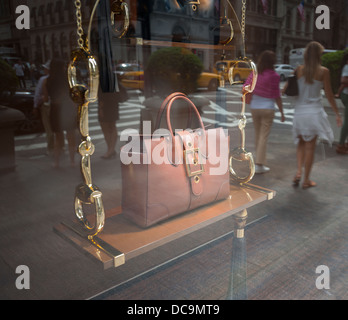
pixel 79 23
pixel 243 18
pixel 239 154
pixel 83 93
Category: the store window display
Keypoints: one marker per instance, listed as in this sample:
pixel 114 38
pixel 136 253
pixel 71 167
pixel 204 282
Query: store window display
pixel 170 64
pixel 124 64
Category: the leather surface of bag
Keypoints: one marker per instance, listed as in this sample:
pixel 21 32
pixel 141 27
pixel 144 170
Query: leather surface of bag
pixel 292 88
pixel 176 172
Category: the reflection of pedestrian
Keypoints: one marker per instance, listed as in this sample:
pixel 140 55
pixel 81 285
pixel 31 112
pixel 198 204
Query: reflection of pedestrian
pixel 264 98
pixel 342 147
pixel 20 69
pixel 310 120
pixel 43 108
pixel 63 116
pixel 108 115
pixel 33 72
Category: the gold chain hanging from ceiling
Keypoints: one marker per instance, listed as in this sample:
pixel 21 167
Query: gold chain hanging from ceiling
pixel 239 154
pixel 80 33
pixel 82 94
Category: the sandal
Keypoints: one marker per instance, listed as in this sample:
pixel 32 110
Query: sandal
pixel 296 180
pixel 310 184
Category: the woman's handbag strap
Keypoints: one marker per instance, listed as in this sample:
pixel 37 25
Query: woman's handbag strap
pixel 165 104
pixel 190 104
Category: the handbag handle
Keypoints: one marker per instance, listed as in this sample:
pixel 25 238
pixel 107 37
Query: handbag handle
pixel 190 104
pixel 165 104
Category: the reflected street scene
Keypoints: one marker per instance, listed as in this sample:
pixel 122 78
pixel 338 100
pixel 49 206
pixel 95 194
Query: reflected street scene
pixel 173 150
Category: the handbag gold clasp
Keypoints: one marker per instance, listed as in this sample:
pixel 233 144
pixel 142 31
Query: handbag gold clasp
pixel 196 160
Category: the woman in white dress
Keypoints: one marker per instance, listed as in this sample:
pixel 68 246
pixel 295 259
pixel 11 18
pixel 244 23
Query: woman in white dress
pixel 310 119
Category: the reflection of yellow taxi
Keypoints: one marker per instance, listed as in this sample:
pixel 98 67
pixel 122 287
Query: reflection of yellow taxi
pixel 241 69
pixel 208 80
pixel 135 80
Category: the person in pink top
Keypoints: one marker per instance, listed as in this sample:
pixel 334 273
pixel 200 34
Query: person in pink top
pixel 262 104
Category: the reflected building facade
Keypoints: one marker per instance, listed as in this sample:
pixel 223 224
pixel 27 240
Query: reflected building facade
pixel 278 27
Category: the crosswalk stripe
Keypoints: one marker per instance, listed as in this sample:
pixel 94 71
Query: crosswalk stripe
pixel 238 94
pixel 130 115
pixel 43 145
pixel 28 137
pixel 127 124
pixel 289 123
pixel 128 111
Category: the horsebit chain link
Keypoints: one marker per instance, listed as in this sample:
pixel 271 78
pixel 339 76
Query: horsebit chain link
pixel 86 193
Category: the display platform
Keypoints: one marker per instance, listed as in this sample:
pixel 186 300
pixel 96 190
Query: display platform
pixel 121 240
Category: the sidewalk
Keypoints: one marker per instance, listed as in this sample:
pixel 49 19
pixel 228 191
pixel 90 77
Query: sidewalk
pixel 300 230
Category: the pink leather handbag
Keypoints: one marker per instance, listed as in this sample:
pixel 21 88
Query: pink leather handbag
pixel 165 174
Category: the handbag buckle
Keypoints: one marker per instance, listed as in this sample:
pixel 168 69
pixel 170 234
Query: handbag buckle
pixel 196 160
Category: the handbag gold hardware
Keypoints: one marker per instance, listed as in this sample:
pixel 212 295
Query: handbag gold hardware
pixel 195 152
